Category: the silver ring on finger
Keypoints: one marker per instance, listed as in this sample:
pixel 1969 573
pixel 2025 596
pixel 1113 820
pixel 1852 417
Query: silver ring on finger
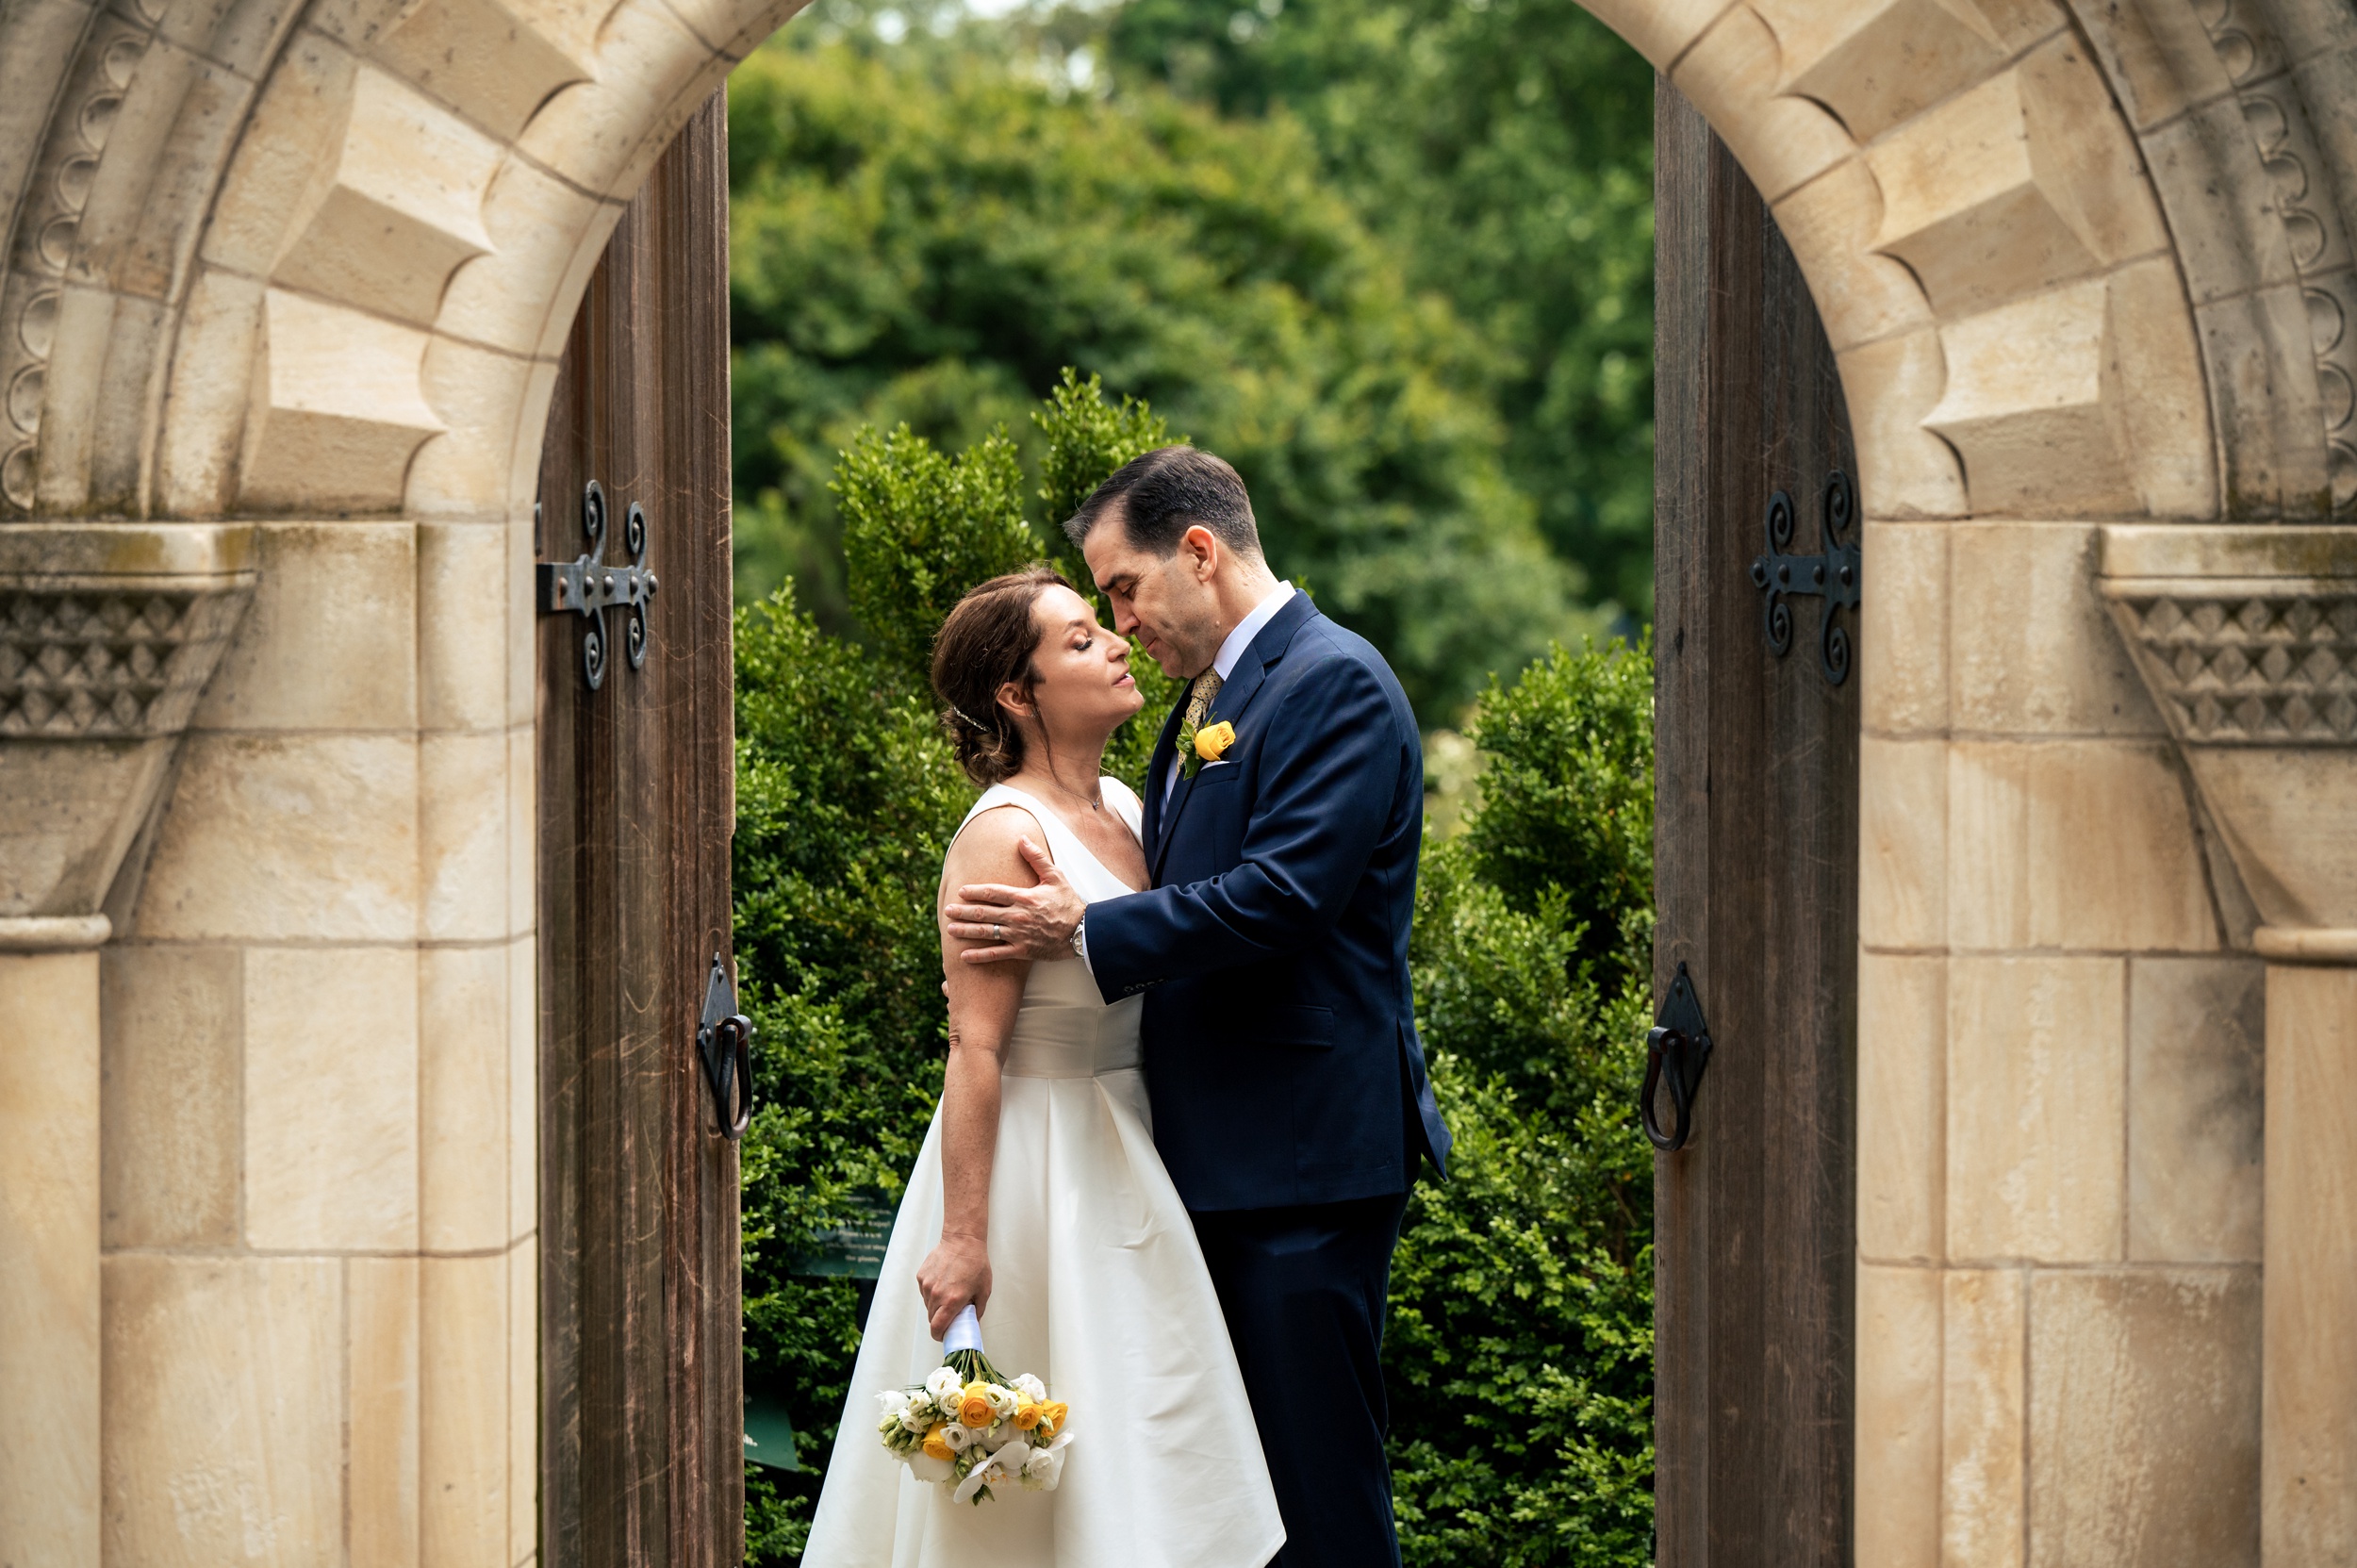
pixel 997 933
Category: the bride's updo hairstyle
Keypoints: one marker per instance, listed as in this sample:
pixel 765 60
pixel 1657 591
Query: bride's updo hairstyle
pixel 987 641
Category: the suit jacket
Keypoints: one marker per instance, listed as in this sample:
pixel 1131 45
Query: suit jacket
pixel 1281 1056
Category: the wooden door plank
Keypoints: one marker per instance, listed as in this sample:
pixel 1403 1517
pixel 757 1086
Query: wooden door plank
pixel 690 211
pixel 642 1404
pixel 561 901
pixel 1755 869
pixel 1681 801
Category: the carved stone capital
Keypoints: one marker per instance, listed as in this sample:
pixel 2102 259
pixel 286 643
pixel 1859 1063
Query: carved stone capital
pixel 2246 638
pixel 108 634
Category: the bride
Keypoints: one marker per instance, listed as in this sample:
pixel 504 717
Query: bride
pixel 1038 1197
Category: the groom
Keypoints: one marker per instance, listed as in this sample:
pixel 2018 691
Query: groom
pixel 1281 1059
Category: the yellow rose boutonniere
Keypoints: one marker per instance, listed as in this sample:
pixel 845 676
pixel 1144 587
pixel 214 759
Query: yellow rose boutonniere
pixel 1208 744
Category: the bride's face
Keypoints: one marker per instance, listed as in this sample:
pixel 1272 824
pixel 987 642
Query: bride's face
pixel 1080 670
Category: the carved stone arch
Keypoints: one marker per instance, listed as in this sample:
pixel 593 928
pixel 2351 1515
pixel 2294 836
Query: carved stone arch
pixel 372 214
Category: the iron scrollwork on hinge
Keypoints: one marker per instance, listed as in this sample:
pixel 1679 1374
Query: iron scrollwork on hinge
pixel 588 586
pixel 724 1046
pixel 1677 1048
pixel 1838 574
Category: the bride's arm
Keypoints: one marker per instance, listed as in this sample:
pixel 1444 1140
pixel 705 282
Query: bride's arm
pixel 983 1000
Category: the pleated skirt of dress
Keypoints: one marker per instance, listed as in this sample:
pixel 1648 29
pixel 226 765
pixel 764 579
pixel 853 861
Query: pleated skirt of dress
pixel 1099 1289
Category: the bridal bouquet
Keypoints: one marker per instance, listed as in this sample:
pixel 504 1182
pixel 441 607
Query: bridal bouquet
pixel 969 1425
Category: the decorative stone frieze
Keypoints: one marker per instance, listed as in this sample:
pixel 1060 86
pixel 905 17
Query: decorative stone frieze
pixel 107 635
pixel 2253 663
pixel 2246 640
pixel 104 661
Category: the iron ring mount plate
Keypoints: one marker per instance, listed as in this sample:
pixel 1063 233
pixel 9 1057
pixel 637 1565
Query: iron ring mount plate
pixel 724 1048
pixel 588 586
pixel 1677 1048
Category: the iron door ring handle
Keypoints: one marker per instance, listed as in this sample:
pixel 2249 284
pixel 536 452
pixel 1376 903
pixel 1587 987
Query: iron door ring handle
pixel 1657 1040
pixel 1679 1057
pixel 732 1083
pixel 1678 1047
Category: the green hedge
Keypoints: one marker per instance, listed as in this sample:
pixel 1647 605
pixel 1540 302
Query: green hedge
pixel 1520 1351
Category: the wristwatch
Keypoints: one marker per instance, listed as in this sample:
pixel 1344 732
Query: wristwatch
pixel 1080 943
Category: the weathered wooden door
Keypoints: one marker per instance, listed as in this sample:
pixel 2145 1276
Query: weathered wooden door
pixel 1756 873
pixel 641 1375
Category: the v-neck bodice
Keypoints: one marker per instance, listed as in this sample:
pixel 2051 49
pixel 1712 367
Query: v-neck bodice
pixel 1093 878
pixel 1065 1028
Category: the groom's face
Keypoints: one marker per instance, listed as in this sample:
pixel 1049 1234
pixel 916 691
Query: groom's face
pixel 1164 601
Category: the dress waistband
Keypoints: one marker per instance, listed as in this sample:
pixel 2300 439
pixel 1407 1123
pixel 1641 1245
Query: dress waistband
pixel 1057 1062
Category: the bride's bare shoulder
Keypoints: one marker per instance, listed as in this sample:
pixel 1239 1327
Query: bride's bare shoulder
pixel 985 849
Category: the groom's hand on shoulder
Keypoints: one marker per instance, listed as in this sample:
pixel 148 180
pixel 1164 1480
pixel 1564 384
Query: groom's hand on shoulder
pixel 1019 922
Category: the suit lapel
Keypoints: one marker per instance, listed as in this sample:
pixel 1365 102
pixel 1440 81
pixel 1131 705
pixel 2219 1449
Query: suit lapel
pixel 1235 696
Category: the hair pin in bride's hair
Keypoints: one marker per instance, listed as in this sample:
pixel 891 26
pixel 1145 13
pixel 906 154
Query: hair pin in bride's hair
pixel 968 717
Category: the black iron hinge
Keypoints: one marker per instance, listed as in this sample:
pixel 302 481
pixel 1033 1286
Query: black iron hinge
pixel 1837 574
pixel 588 586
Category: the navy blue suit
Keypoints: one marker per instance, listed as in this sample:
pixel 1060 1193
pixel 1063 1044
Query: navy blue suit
pixel 1287 1081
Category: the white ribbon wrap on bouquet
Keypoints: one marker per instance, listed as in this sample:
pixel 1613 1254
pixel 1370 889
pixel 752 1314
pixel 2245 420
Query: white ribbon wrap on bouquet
pixel 965 1331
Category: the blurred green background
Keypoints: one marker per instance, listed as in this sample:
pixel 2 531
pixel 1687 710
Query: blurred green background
pixel 1393 257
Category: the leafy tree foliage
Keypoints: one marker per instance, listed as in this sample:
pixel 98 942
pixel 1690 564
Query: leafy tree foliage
pixel 1520 1346
pixel 1504 149
pixel 927 238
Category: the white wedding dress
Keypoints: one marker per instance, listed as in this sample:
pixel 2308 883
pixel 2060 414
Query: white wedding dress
pixel 1096 1286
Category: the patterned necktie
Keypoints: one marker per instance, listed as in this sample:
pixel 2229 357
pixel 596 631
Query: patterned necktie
pixel 1201 693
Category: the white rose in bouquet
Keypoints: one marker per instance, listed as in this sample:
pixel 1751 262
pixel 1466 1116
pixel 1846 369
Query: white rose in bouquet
pixel 1002 1400
pixel 1044 1467
pixel 957 1436
pixel 917 1416
pixel 944 1385
pixel 1031 1389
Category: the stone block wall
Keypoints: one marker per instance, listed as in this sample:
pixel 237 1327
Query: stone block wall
pixel 2049 306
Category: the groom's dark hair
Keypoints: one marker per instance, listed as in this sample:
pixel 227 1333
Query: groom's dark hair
pixel 1164 492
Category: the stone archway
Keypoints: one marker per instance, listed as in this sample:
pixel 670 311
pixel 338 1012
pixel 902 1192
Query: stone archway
pixel 285 293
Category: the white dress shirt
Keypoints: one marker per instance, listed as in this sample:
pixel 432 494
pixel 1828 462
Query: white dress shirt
pixel 1230 651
